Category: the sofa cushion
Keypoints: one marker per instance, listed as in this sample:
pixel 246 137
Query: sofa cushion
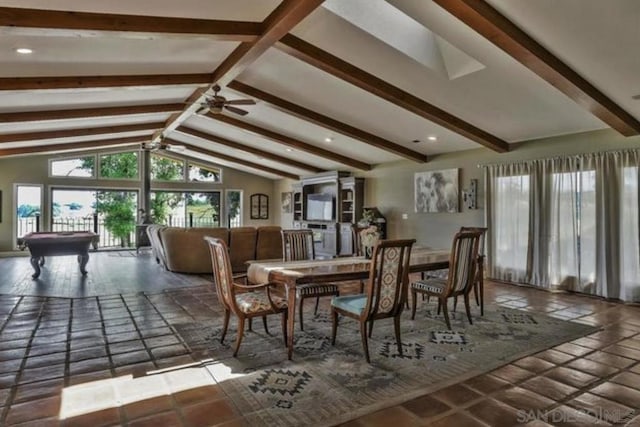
pixel 186 250
pixel 269 243
pixel 242 247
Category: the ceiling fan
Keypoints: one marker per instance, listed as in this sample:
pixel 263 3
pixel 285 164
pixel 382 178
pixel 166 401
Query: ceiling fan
pixel 216 103
pixel 162 146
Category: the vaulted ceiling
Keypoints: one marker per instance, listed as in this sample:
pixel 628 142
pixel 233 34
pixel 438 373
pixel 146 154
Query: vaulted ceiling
pixel 339 84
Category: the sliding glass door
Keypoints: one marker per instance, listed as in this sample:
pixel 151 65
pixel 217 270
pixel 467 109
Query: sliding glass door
pixel 28 209
pixel 109 213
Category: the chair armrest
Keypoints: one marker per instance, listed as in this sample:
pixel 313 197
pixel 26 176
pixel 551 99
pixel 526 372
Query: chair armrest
pixel 241 276
pixel 252 287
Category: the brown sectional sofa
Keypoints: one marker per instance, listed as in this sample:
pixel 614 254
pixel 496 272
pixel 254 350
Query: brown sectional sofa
pixel 184 250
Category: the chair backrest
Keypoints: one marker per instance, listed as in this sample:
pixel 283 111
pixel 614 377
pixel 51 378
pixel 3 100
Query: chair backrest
pixel 463 261
pixel 297 245
pixel 483 231
pixel 269 242
pixel 388 281
pixel 222 273
pixel 356 239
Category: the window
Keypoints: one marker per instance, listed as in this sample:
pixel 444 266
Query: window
pixel 82 167
pixel 166 169
pixel 234 208
pixel 28 205
pixel 119 166
pixel 110 213
pixel 199 173
pixel 186 209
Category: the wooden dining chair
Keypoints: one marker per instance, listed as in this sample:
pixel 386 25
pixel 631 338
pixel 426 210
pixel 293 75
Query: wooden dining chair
pixel 297 245
pixel 463 262
pixel 385 292
pixel 246 302
pixel 357 246
pixel 478 283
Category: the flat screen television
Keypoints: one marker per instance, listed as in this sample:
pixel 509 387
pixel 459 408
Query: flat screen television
pixel 320 207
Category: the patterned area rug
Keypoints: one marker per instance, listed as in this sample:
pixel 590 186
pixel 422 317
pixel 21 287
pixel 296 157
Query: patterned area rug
pixel 325 385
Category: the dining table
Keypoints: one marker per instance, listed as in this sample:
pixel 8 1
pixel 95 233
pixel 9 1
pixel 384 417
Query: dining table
pixel 343 269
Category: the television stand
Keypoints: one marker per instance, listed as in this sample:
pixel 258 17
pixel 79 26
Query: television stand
pixel 325 238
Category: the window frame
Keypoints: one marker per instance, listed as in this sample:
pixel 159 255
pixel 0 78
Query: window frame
pixel 94 173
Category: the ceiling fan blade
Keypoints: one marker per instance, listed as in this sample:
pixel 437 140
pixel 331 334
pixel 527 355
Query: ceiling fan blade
pixel 236 110
pixel 176 147
pixel 241 102
pixel 204 108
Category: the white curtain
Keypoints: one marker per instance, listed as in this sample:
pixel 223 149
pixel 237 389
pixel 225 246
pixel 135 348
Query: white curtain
pixel 582 230
pixel 508 221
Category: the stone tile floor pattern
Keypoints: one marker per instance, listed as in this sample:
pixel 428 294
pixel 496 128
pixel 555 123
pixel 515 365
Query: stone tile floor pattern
pixel 48 344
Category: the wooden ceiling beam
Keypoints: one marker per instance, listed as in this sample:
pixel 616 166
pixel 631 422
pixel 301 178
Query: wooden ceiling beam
pixel 328 122
pixel 81 113
pixel 54 19
pixel 248 149
pixel 283 19
pixel 341 69
pixel 88 82
pixel 500 31
pixel 71 146
pixel 232 159
pixel 70 133
pixel 291 142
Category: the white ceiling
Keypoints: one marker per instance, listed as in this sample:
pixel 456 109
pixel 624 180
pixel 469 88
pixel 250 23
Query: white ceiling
pixel 598 39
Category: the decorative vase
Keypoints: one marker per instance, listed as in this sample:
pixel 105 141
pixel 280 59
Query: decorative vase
pixel 368 252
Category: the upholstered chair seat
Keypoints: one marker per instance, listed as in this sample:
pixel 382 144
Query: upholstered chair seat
pixel 434 286
pixel 253 302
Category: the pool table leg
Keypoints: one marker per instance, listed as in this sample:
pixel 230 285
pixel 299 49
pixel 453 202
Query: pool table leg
pixel 83 260
pixel 35 263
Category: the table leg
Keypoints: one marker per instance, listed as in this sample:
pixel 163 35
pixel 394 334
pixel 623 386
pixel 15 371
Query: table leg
pixel 291 300
pixel 83 260
pixel 35 263
pixel 481 267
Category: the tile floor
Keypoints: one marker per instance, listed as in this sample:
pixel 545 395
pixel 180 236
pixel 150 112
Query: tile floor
pixel 50 344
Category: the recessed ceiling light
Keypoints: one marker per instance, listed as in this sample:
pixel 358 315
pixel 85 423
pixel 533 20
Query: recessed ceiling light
pixel 289 149
pixel 24 50
pixel 432 138
pixel 328 139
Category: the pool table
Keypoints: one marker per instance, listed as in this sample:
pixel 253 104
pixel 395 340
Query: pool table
pixel 43 244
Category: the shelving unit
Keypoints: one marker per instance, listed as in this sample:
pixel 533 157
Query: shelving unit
pixel 351 201
pixel 331 237
pixel 296 189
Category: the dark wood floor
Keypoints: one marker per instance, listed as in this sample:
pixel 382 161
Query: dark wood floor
pixel 109 273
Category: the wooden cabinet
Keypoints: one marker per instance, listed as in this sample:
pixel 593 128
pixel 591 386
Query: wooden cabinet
pixel 351 197
pixel 296 190
pixel 328 203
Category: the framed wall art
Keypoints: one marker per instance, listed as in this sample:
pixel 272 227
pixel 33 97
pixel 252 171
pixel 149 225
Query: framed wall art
pixel 436 191
pixel 259 205
pixel 287 202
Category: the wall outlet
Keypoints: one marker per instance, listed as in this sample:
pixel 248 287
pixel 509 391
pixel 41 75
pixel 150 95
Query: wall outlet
pixel 405 216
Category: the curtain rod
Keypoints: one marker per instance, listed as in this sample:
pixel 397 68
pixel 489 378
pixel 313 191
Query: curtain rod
pixel 568 156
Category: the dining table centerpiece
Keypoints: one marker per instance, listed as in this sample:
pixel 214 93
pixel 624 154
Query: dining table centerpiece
pixel 368 239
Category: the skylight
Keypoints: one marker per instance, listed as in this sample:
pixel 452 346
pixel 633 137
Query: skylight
pixel 398 30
